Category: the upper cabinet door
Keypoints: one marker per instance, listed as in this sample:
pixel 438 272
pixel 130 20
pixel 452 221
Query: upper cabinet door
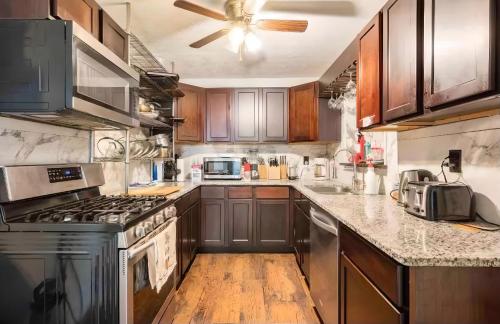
pixel 246 115
pixel 190 107
pixel 369 74
pixel 303 120
pixel 218 125
pixel 84 12
pixel 402 62
pixel 274 115
pixel 113 36
pixel 458 50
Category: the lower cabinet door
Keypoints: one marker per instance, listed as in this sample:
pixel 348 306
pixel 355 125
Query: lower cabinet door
pixel 213 223
pixel 240 222
pixel 360 301
pixel 272 222
pixel 185 241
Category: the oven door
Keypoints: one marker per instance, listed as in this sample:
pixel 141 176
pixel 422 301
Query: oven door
pixel 139 303
pixel 102 80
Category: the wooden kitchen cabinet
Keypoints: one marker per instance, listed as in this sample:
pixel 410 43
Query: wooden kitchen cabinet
pixel 191 107
pixel 240 222
pixel 113 36
pixel 272 222
pixel 213 223
pixel 303 113
pixel 402 61
pixel 185 241
pixel 218 115
pixel 302 240
pixel 246 115
pixel 361 301
pixel 194 234
pixel 274 115
pixel 369 75
pixel 459 49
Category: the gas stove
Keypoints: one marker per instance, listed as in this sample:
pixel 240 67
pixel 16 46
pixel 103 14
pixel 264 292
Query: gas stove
pixel 62 198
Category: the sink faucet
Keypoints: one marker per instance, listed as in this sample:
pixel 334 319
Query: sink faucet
pixel 355 181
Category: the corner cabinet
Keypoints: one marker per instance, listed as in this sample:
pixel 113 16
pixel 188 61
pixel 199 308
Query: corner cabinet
pixel 402 62
pixel 218 115
pixel 246 115
pixel 303 113
pixel 191 108
pixel 465 67
pixel 274 115
pixel 369 75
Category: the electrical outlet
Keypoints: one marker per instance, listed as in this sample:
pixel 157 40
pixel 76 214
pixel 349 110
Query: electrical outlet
pixel 306 160
pixel 455 161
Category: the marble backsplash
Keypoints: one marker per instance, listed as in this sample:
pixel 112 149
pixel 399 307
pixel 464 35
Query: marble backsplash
pixel 479 141
pixel 24 142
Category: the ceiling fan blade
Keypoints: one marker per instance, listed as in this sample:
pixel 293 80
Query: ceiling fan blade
pixel 297 26
pixel 210 38
pixel 193 7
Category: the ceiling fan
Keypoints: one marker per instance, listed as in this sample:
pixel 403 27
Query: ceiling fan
pixel 241 16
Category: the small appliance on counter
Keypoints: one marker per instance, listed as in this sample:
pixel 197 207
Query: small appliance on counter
pixel 412 175
pixel 321 169
pixel 222 168
pixel 170 170
pixel 439 201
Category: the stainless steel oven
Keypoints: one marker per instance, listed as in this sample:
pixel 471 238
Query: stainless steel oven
pixel 222 168
pixel 65 76
pixel 139 302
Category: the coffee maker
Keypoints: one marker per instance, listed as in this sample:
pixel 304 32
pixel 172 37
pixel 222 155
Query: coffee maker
pixel 170 170
pixel 321 169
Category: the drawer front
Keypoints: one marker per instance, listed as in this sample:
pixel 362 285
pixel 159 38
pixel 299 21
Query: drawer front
pixel 194 196
pixel 212 192
pixel 239 192
pixel 272 192
pixel 384 272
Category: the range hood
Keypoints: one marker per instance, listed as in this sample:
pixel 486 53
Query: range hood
pixel 54 71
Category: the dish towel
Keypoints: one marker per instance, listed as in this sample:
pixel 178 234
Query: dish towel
pixel 162 257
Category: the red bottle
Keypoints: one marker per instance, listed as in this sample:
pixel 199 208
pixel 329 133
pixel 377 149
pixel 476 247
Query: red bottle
pixel 360 155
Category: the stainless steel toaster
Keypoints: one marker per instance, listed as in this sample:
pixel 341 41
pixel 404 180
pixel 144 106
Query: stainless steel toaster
pixel 412 175
pixel 438 201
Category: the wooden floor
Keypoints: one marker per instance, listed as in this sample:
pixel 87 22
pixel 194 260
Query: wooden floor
pixel 244 288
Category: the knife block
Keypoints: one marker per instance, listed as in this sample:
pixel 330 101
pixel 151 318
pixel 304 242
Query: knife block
pixel 262 171
pixel 283 171
pixel 274 173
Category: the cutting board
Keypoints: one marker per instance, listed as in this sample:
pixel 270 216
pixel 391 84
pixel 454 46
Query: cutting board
pixel 153 191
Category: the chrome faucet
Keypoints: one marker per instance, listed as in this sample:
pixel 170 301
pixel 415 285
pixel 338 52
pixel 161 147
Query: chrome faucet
pixel 355 181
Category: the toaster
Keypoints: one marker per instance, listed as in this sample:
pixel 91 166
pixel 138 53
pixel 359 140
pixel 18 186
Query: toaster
pixel 438 201
pixel 412 175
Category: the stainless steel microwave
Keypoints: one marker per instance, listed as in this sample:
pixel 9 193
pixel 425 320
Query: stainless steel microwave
pixel 224 168
pixel 56 72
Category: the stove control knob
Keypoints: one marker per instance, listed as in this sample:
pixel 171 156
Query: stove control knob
pixel 149 227
pixel 159 219
pixel 139 231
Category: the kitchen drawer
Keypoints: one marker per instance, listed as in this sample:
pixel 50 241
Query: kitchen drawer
pixel 194 196
pixel 212 192
pixel 272 192
pixel 384 272
pixel 239 192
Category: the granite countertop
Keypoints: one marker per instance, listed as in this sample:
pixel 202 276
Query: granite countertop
pixel 408 239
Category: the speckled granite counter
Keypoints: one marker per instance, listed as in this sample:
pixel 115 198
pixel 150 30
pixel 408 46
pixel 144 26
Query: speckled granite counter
pixel 409 240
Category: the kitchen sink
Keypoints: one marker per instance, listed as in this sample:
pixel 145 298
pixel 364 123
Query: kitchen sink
pixel 332 190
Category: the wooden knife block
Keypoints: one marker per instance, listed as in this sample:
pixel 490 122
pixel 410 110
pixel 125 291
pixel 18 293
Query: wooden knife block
pixel 274 173
pixel 262 171
pixel 283 171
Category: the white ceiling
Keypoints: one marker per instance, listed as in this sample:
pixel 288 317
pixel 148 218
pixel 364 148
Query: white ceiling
pixel 285 58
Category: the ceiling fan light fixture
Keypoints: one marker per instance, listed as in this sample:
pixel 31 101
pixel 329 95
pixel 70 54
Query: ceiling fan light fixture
pixel 236 36
pixel 252 42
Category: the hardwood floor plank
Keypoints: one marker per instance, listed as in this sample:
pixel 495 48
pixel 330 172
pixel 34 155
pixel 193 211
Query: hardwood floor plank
pixel 244 288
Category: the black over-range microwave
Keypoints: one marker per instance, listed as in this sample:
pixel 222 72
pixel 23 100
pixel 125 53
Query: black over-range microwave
pixel 56 72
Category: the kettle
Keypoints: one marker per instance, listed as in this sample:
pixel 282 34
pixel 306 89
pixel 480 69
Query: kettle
pixel 419 175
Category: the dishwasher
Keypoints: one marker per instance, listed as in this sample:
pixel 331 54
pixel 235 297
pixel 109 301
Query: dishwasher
pixel 324 260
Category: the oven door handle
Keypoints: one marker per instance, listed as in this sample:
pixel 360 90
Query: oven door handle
pixel 133 252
